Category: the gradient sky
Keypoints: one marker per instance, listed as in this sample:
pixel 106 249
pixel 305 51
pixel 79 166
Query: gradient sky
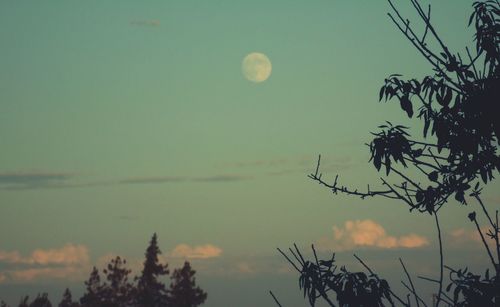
pixel 120 119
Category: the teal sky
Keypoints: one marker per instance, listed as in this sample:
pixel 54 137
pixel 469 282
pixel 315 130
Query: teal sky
pixel 120 119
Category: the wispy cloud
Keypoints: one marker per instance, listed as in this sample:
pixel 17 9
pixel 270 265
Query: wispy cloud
pixel 174 179
pixel 462 238
pixel 195 252
pixel 367 233
pixel 152 180
pixel 221 178
pixel 32 179
pixel 145 23
pixel 28 181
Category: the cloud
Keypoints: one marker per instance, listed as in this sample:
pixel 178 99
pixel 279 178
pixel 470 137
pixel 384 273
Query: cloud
pixel 196 252
pixel 221 178
pixel 32 179
pixel 148 180
pixel 470 238
pixel 367 233
pixel 31 274
pixel 71 261
pixel 69 254
pixel 244 267
pixel 172 179
pixel 146 23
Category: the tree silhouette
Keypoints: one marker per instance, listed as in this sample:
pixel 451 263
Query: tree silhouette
pixel 150 290
pixel 146 290
pixel 40 301
pixel 91 297
pixel 117 290
pixel 67 300
pixel 183 289
pixel 456 156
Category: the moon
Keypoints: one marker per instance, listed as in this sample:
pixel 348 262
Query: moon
pixel 256 67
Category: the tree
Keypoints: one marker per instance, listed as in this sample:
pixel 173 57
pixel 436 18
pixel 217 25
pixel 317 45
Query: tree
pixel 183 289
pixel 150 290
pixel 455 158
pixel 41 301
pixel 67 300
pixel 117 291
pixel 91 297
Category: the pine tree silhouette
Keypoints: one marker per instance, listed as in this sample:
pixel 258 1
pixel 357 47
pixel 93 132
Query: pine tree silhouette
pixel 91 297
pixel 67 300
pixel 150 290
pixel 183 289
pixel 41 301
pixel 117 290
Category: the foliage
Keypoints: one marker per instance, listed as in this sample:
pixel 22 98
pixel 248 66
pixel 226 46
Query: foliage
pixel 183 289
pixel 456 155
pixel 150 290
pixel 67 300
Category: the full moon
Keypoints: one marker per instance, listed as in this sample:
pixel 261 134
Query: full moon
pixel 256 67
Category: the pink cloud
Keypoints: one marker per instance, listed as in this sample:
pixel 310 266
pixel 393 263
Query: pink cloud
pixel 66 255
pixel 197 252
pixel 66 272
pixel 68 262
pixel 367 233
pixel 11 257
pixel 470 238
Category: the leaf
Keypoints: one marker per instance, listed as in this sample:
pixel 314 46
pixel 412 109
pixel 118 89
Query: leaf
pixel 381 93
pixel 449 287
pixel 459 196
pixel 472 216
pixel 448 96
pixel 419 196
pixel 433 176
pixel 426 127
pixel 406 105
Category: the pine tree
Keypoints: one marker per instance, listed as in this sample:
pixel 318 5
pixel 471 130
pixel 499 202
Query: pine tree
pixel 183 289
pixel 91 297
pixel 151 291
pixel 24 302
pixel 117 290
pixel 67 300
pixel 41 301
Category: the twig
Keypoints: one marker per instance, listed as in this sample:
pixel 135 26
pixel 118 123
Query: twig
pixel 375 275
pixel 411 282
pixel 275 299
pixel 418 299
pixel 440 260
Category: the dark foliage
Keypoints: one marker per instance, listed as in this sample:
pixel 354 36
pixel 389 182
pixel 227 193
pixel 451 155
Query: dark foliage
pixel 67 300
pixel 150 290
pixel 456 155
pixel 183 289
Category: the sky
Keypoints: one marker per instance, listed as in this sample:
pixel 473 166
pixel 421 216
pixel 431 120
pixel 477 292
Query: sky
pixel 122 119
